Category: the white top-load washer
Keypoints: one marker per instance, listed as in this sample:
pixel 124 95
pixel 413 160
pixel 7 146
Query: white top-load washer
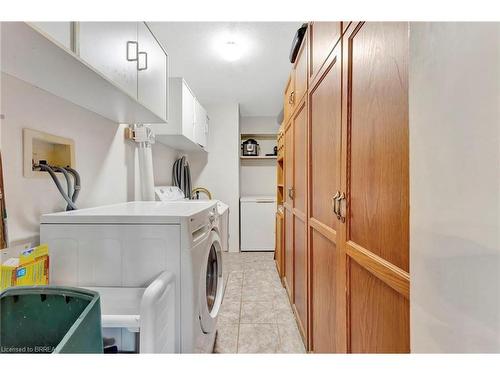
pixel 130 244
pixel 173 193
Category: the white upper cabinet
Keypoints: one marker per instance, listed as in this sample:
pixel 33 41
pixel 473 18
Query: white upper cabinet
pixel 100 80
pixel 187 107
pixel 200 124
pixel 103 45
pixel 58 31
pixel 187 128
pixel 152 72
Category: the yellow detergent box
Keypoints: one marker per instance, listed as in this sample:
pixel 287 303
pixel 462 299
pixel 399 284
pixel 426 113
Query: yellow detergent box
pixel 31 268
pixel 8 274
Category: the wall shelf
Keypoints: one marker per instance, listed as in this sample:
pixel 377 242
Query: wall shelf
pixel 259 135
pixel 258 157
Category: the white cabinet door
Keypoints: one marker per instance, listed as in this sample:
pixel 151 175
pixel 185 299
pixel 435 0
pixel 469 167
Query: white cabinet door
pixel 188 116
pixel 152 72
pixel 103 45
pixel 59 31
pixel 200 124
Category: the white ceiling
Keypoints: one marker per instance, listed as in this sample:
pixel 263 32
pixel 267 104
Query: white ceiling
pixel 256 81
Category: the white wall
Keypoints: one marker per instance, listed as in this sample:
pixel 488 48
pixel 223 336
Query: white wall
pixel 455 187
pixel 258 177
pixel 218 171
pixel 106 162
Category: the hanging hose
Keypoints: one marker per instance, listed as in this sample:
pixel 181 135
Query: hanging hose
pixel 77 187
pixel 68 183
pixel 181 176
pixel 46 168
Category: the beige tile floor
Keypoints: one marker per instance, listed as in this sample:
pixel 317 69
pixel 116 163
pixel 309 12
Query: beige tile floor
pixel 255 316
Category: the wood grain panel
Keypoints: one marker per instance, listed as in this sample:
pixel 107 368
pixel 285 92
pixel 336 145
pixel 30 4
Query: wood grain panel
pixel 379 314
pixel 378 141
pixel 325 134
pixel 300 158
pixel 323 38
pixel 287 100
pixel 393 276
pixel 278 254
pixel 327 258
pixel 288 164
pixel 328 303
pixel 300 70
pixel 289 254
pixel 300 274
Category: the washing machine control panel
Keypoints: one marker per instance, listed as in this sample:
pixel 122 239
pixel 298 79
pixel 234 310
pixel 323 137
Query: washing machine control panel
pixel 203 222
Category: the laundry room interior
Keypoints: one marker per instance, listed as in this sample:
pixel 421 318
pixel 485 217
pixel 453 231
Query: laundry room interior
pixel 249 187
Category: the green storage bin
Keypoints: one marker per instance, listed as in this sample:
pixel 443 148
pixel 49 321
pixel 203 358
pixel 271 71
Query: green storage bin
pixel 50 319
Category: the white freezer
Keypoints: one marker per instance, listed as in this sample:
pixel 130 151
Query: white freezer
pixel 257 223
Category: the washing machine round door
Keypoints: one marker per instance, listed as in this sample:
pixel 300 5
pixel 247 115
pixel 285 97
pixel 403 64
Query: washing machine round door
pixel 211 284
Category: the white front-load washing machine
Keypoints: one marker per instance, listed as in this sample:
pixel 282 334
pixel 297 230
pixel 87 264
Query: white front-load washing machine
pixel 128 245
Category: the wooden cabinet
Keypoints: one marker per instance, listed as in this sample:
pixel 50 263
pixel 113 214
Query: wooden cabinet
pixel 288 211
pixel 300 216
pixel 288 99
pixel 328 279
pixel 323 38
pixel 346 168
pixel 279 244
pixel 376 210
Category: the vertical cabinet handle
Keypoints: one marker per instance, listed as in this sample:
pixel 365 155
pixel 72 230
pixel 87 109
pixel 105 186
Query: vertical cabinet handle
pixel 291 193
pixel 132 50
pixel 334 203
pixel 142 64
pixel 341 207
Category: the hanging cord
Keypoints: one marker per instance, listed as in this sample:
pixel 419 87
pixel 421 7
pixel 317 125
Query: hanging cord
pixel 69 184
pixel 78 186
pixel 52 174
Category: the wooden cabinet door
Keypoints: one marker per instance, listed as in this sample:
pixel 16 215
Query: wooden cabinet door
pixel 323 37
pixel 300 71
pixel 288 99
pixel 288 211
pixel 103 45
pixel 300 216
pixel 376 184
pixel 328 307
pixel 152 76
pixel 278 254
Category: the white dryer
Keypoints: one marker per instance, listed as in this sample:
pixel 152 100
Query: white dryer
pixel 130 244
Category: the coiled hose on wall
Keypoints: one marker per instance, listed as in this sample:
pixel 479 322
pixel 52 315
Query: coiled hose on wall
pixel 181 176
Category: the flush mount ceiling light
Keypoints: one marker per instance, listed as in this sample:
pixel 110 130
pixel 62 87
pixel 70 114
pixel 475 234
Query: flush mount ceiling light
pixel 230 48
pixel 231 51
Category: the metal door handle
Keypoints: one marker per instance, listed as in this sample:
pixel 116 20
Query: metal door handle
pixel 341 199
pixel 132 50
pixel 139 54
pixel 334 203
pixel 291 193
